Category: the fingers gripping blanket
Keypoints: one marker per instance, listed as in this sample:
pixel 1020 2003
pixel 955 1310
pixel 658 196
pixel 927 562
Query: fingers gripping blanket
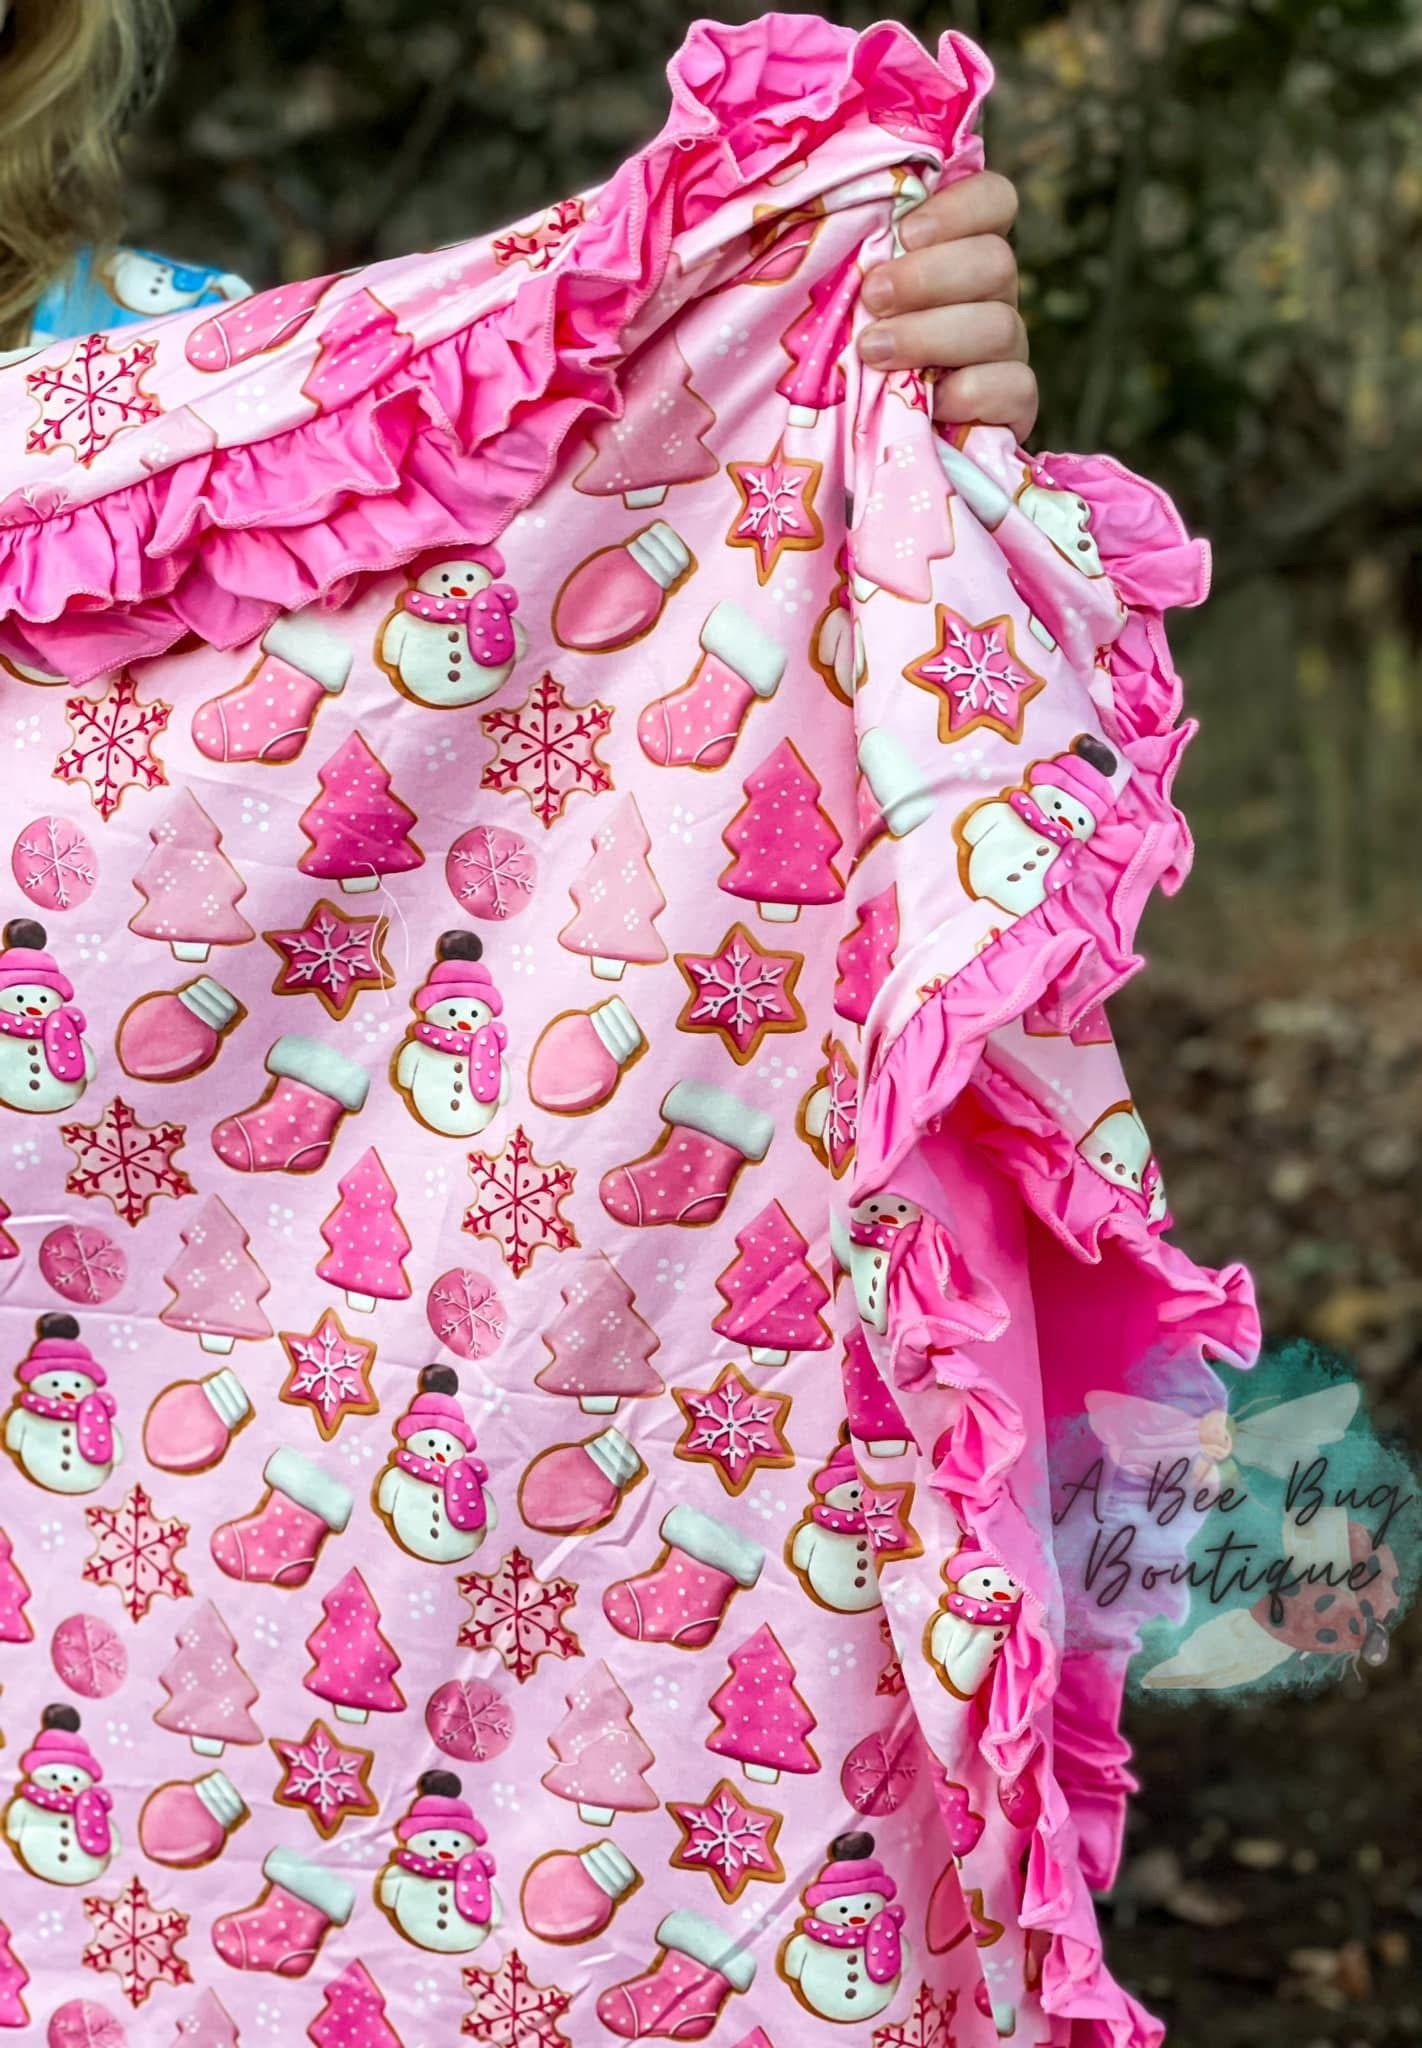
pixel 563 1149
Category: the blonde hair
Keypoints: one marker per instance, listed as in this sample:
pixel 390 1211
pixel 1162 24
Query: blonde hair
pixel 72 74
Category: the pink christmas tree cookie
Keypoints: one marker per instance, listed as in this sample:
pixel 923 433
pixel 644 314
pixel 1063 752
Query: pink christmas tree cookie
pixel 355 1667
pixel 13 1979
pixel 190 889
pixel 617 898
pixel 367 1240
pixel 208 2024
pixel 358 828
pixel 600 1347
pixel 218 1287
pixel 763 1721
pixel 866 954
pixel 659 439
pixel 353 2015
pixel 904 523
pixel 773 1294
pixel 209 1693
pixel 816 340
pixel 602 1761
pixel 870 1408
pixel 14 1592
pixel 783 842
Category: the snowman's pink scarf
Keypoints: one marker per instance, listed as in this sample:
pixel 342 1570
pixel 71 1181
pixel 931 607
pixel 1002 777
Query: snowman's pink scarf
pixel 94 1416
pixel 60 1032
pixel 883 1954
pixel 844 1521
pixel 91 1809
pixel 1032 814
pixel 461 1483
pixel 473 1896
pixel 483 1049
pixel 492 642
pixel 989 1612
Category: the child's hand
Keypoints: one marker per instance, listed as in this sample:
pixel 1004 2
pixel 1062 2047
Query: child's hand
pixel 950 304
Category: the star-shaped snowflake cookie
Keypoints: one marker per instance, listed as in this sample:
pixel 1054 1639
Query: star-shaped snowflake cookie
pixel 975 674
pixel 733 1427
pixel 777 508
pixel 732 1841
pixel 828 1119
pixel 330 1374
pixel 327 1780
pixel 742 991
pixel 332 957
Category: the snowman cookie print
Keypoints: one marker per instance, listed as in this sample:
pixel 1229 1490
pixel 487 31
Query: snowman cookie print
pixel 436 1888
pixel 432 1493
pixel 144 283
pixel 60 1821
pixel 1118 1146
pixel 881 1230
pixel 452 639
pixel 848 1955
pixel 45 1062
pixel 451 1067
pixel 60 1427
pixel 1015 848
pixel 831 1549
pixel 974 1619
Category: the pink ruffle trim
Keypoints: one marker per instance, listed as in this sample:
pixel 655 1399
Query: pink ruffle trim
pixel 448 445
pixel 1051 1734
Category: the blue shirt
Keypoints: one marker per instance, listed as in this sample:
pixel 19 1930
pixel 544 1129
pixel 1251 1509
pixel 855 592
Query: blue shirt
pixel 124 287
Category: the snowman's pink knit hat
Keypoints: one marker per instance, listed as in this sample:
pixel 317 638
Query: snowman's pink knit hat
pixel 56 1354
pixel 841 1470
pixel 439 1810
pixel 61 1746
pixel 22 965
pixel 435 1411
pixel 1078 778
pixel 841 1880
pixel 459 981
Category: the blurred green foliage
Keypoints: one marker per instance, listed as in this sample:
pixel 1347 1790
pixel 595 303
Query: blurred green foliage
pixel 1221 252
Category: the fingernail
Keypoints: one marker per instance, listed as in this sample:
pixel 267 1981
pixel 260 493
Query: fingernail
pixel 878 292
pixel 914 233
pixel 876 345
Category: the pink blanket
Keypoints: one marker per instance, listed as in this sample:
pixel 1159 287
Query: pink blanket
pixel 568 618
